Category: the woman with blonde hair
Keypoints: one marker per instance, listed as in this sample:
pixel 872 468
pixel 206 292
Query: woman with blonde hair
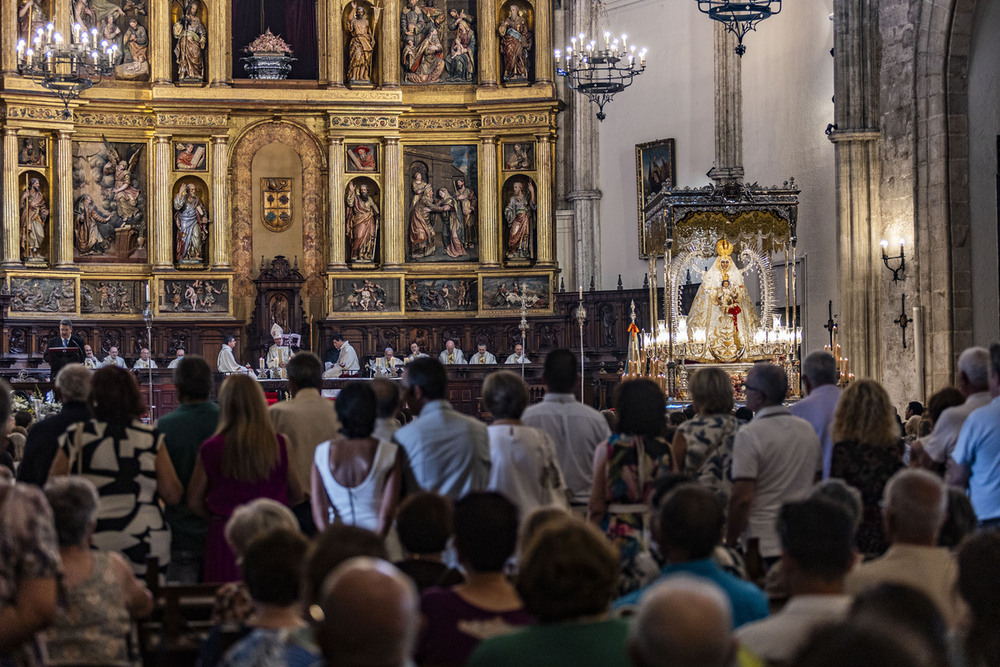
pixel 243 461
pixel 867 451
pixel 703 446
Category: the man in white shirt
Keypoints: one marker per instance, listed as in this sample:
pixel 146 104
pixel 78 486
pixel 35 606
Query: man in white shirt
pixel 415 353
pixel 775 459
pixel 518 357
pixel 482 356
pixel 347 360
pixel 451 354
pixel 820 376
pixel 817 550
pixel 974 383
pixel 89 360
pixel 449 452
pixel 226 362
pixel 113 359
pixel 575 428
pixel 176 360
pixel 144 362
pixel 388 364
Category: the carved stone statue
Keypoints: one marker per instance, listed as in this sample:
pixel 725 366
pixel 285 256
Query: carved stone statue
pixel 516 42
pixel 192 38
pixel 362 44
pixel 362 222
pixel 34 214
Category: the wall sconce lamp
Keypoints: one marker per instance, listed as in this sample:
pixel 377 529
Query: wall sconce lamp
pixel 903 321
pixel 901 258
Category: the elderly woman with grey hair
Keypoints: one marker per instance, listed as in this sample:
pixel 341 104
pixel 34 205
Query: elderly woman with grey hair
pixel 523 463
pixel 101 594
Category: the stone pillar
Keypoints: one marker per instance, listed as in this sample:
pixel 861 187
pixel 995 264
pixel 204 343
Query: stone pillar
pixel 11 214
pixel 337 259
pixel 544 62
pixel 728 109
pixel 219 245
pixel 161 51
pixel 391 50
pixel 489 56
pixel 61 224
pixel 218 49
pixel 544 217
pixel 394 234
pixel 489 208
pixel 335 44
pixel 162 238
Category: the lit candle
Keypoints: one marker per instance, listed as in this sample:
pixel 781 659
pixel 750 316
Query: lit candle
pixel 76 32
pixel 884 244
pixel 624 41
pixel 93 54
pixel 49 29
pixel 607 38
pixel 147 292
pixel 20 47
pixel 581 292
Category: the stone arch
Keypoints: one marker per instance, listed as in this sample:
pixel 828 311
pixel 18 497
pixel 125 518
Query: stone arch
pixel 303 142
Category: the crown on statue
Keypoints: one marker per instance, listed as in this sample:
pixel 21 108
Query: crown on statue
pixel 724 248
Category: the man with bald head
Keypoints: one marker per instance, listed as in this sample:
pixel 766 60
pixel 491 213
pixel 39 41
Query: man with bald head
pixel 683 621
pixel 370 615
pixel 914 504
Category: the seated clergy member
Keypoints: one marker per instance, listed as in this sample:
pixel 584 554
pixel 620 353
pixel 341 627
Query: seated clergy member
pixel 451 354
pixel 389 364
pixel 347 360
pixel 113 359
pixel 482 356
pixel 226 362
pixel 144 362
pixel 89 359
pixel 415 352
pixel 176 360
pixel 278 354
pixel 518 357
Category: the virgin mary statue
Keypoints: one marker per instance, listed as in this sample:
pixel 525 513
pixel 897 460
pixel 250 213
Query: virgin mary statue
pixel 723 310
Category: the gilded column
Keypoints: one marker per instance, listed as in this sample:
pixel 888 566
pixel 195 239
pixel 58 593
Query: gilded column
pixel 394 235
pixel 8 38
pixel 335 44
pixel 160 30
pixel 544 61
pixel 489 220
pixel 162 237
pixel 391 48
pixel 220 202
pixel 488 44
pixel 335 211
pixel 217 60
pixel 544 220
pixel 62 229
pixel 11 216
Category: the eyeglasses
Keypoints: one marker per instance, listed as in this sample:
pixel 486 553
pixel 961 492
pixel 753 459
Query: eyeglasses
pixel 747 387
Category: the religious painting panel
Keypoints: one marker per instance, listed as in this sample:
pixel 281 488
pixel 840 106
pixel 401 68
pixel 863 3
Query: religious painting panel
pixel 198 296
pixel 37 294
pixel 113 297
pixel 654 171
pixel 362 158
pixel 361 21
pixel 191 223
pixel 33 211
pixel 109 201
pixel 276 203
pixel 508 293
pixel 366 295
pixel 442 205
pixel 32 16
pixel 519 156
pixel 441 294
pixel 516 30
pixel 32 152
pixel 438 42
pixel 189 20
pixel 363 216
pixel 124 25
pixel 190 156
pixel 519 202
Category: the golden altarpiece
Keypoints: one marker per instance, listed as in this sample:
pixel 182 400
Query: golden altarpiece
pixel 405 167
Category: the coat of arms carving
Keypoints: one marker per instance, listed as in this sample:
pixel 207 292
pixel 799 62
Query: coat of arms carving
pixel 276 203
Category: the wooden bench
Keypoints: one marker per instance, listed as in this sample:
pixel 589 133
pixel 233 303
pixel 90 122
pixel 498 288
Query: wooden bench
pixel 181 619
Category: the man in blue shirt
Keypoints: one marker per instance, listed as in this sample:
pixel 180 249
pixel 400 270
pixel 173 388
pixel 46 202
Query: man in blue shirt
pixel 690 527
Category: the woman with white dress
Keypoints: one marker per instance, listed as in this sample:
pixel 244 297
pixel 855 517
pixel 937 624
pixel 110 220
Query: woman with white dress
pixel 523 464
pixel 356 478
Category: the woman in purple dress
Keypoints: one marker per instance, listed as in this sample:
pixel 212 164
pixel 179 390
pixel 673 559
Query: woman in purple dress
pixel 243 461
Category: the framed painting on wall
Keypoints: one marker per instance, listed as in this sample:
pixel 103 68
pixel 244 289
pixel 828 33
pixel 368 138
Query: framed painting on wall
pixel 654 172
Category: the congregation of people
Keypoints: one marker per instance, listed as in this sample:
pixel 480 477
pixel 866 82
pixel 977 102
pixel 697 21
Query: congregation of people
pixel 386 528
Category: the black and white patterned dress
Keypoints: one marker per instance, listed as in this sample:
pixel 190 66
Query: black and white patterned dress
pixel 120 459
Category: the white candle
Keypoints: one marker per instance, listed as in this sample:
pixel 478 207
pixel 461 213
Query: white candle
pixel 147 292
pixel 581 292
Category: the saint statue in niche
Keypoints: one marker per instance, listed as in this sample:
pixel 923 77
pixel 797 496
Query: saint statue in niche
pixel 516 41
pixel 362 44
pixel 192 38
pixel 421 229
pixel 723 310
pixel 362 221
pixel 191 223
pixel 34 214
pixel 520 216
